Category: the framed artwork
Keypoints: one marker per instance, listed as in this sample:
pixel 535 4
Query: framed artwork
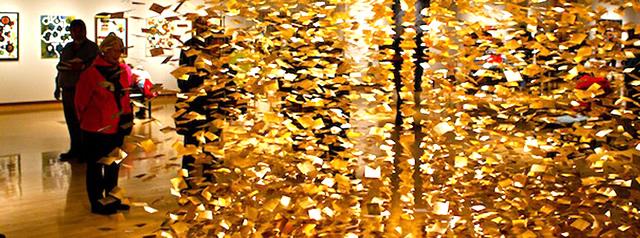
pixel 611 30
pixel 163 34
pixel 54 35
pixel 9 35
pixel 106 25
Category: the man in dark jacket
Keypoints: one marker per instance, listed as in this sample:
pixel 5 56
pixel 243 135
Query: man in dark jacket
pixel 74 58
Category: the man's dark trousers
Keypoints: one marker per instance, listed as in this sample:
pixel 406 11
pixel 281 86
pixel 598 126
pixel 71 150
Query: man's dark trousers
pixel 70 116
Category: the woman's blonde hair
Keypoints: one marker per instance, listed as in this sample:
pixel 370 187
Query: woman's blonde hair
pixel 111 41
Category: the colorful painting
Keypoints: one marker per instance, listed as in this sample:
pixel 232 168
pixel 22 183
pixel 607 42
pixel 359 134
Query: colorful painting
pixel 55 35
pixel 106 25
pixel 162 33
pixel 9 36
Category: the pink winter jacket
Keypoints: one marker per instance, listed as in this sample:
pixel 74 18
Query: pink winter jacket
pixel 95 104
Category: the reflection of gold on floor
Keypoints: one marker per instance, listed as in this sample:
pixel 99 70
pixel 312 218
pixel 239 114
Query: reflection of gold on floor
pixel 43 197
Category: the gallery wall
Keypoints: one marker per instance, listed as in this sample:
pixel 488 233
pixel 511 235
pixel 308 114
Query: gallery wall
pixel 31 78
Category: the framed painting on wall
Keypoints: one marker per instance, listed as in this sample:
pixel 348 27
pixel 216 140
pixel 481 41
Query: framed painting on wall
pixel 54 35
pixel 9 35
pixel 162 33
pixel 106 25
pixel 611 30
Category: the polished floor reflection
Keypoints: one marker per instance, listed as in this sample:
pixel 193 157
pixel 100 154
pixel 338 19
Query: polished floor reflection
pixel 44 197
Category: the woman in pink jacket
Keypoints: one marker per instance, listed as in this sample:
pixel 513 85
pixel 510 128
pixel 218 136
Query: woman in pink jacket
pixel 104 111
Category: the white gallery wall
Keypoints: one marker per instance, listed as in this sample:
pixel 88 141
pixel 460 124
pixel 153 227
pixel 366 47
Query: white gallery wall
pixel 31 79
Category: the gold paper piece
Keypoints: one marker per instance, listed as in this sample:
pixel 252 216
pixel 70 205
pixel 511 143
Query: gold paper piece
pixel 580 224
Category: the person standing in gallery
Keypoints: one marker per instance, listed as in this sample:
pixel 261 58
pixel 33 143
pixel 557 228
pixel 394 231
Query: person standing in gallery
pixel 217 103
pixel 189 85
pixel 74 58
pixel 104 110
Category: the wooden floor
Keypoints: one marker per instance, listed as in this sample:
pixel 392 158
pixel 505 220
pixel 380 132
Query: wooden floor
pixel 43 197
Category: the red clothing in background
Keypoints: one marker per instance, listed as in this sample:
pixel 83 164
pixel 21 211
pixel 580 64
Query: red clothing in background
pixel 95 104
pixel 497 59
pixel 586 81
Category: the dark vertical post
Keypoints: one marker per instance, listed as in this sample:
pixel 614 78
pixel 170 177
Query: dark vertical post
pixel 397 80
pixel 397 59
pixel 417 127
pixel 420 206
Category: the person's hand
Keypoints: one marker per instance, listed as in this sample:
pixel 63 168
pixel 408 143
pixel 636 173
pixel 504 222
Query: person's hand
pixel 56 94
